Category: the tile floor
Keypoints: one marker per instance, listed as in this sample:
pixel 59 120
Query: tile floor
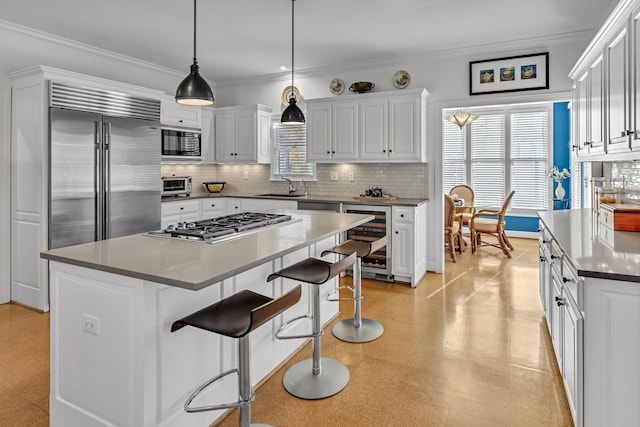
pixel 466 348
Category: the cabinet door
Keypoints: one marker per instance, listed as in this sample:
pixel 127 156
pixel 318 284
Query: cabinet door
pixel 635 76
pixel 172 113
pixel 555 318
pixel 595 106
pixel 208 146
pixel 374 134
pixel 246 136
pixel 582 128
pixel 572 356
pixel 402 248
pixel 344 120
pixel 405 124
pixel 213 208
pixel 264 137
pixel 575 120
pixel 225 137
pixel 319 131
pixel 618 99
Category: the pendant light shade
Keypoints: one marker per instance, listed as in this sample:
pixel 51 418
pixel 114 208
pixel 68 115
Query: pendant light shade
pixel 459 118
pixel 292 114
pixel 194 90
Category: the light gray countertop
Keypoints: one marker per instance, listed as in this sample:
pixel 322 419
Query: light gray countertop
pixel 309 198
pixel 196 265
pixel 593 249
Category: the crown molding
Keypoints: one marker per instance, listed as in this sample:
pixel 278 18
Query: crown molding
pixel 10 27
pixel 467 52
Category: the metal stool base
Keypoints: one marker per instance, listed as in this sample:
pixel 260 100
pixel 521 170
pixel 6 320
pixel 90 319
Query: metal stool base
pixel 300 381
pixel 368 330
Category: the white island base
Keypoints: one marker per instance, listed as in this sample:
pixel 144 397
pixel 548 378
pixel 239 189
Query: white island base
pixel 114 361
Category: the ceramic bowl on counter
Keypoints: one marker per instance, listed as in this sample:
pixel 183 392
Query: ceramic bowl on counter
pixel 213 187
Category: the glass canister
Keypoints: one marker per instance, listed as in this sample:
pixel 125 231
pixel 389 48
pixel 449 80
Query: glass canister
pixel 607 195
pixel 596 184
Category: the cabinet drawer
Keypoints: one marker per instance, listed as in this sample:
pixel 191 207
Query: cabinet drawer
pixel 570 281
pixel 401 214
pixel 180 208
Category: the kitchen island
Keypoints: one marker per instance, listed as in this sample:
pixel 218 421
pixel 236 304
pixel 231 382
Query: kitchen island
pixel 114 360
pixel 590 292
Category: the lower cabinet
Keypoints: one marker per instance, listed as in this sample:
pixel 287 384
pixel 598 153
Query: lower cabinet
pixel 181 211
pixel 408 245
pixel 593 327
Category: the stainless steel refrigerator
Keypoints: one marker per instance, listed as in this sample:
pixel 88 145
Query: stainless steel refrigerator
pixel 104 176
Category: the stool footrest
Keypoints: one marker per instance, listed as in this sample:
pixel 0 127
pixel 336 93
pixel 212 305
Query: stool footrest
pixel 279 335
pixel 215 407
pixel 332 294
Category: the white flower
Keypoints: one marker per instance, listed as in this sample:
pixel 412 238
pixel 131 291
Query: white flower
pixel 558 175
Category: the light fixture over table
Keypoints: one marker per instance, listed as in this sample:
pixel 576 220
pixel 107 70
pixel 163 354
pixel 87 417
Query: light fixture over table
pixel 460 118
pixel 292 114
pixel 194 90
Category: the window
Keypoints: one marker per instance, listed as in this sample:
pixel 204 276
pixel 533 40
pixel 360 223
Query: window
pixel 506 148
pixel 289 154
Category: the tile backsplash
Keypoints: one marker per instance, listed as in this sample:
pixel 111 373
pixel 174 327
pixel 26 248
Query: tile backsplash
pixel 402 180
pixel 630 171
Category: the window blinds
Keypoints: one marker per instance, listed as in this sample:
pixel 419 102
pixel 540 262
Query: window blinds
pixel 529 154
pixel 488 159
pixel 290 152
pixel 453 155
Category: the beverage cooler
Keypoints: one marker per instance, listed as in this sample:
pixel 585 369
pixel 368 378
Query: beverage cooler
pixel 378 264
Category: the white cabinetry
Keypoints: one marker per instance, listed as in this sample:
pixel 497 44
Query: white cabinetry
pixel 606 107
pixel 174 114
pixel 208 136
pixel 213 207
pixel 332 131
pixel 252 205
pixel 384 126
pixel 242 134
pixel 180 211
pixel 408 246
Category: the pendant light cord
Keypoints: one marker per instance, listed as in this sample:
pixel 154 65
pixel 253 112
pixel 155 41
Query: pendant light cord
pixel 194 31
pixel 293 2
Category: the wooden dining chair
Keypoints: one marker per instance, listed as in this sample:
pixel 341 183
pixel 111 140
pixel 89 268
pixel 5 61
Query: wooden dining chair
pixel 452 228
pixel 486 221
pixel 463 215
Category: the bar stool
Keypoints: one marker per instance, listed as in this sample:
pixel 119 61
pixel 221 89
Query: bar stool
pixel 318 377
pixel 357 329
pixel 235 317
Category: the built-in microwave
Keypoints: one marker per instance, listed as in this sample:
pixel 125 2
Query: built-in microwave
pixel 176 186
pixel 181 144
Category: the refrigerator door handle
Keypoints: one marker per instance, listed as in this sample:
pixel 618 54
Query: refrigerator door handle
pixel 107 180
pixel 98 181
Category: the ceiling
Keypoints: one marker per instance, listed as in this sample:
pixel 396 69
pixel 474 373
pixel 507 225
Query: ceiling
pixel 239 39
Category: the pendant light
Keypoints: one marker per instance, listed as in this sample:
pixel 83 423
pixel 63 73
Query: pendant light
pixel 292 114
pixel 459 118
pixel 194 90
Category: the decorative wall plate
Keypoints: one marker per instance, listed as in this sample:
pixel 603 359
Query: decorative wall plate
pixel 401 79
pixel 286 95
pixel 336 86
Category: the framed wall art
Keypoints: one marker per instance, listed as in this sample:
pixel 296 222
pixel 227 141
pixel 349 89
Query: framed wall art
pixel 509 74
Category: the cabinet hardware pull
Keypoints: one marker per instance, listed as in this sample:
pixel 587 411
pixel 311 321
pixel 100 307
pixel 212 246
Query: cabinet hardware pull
pixel 554 257
pixel 560 302
pixel 181 208
pixel 328 152
pixel 565 280
pixel 628 132
pixel 389 150
pixel 384 151
pixel 396 232
pixel 545 241
pixel 558 299
pixel 542 259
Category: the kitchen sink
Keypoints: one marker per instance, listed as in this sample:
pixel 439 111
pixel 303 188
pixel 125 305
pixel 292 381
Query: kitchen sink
pixel 281 195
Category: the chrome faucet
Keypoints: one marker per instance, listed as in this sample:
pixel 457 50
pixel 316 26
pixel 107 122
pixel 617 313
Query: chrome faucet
pixel 292 188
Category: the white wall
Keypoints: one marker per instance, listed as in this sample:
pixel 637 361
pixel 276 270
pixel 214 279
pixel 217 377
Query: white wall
pixel 446 76
pixel 5 189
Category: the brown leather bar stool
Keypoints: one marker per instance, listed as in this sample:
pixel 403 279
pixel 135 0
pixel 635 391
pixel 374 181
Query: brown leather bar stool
pixel 235 317
pixel 318 377
pixel 357 329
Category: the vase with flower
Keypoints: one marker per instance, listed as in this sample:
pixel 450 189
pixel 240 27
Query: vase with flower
pixel 558 176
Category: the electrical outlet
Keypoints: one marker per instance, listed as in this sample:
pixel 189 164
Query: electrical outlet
pixel 90 323
pixel 352 176
pixel 246 174
pixel 334 176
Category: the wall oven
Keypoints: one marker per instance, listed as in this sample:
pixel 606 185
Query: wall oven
pixel 181 144
pixel 378 264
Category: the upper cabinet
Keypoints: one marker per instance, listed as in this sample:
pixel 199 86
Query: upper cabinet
pixel 208 141
pixel 242 134
pixel 385 126
pixel 606 105
pixel 174 114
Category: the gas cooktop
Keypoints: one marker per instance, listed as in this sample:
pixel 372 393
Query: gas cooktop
pixel 208 230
